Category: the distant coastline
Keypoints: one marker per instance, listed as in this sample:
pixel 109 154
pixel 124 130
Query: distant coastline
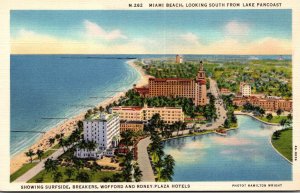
pixel 69 125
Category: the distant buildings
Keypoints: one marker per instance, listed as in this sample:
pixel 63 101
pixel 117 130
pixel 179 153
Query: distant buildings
pixel 178 87
pixel 268 104
pixel 104 130
pixel 179 59
pixel 245 89
pixel 225 91
pixel 168 114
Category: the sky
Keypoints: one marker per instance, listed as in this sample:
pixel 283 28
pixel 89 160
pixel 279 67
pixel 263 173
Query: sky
pixel 151 32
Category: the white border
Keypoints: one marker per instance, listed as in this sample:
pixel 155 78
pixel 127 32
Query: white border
pixel 7 5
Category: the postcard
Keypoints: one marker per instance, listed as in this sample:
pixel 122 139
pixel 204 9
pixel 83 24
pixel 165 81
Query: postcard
pixel 149 95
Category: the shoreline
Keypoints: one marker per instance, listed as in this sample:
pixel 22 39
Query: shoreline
pixel 248 114
pixel 17 160
pixel 286 159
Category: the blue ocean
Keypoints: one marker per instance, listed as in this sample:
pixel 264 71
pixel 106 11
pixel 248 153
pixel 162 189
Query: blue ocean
pixel 61 86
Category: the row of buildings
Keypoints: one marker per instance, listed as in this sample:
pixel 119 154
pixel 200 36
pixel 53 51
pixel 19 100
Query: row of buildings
pixel 105 129
pixel 194 89
pixel 268 103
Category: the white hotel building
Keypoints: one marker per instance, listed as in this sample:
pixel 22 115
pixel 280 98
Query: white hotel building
pixel 245 89
pixel 104 129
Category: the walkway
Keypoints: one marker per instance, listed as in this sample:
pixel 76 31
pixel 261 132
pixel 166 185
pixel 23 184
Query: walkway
pixel 144 162
pixel 38 168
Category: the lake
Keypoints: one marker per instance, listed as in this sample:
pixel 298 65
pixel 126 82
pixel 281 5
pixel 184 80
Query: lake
pixel 245 154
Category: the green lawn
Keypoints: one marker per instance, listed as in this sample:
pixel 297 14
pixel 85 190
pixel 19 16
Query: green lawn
pixel 22 171
pixel 284 144
pixel 276 119
pixel 94 177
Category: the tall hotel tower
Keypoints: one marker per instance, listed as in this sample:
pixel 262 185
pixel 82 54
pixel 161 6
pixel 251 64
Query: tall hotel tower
pixel 181 87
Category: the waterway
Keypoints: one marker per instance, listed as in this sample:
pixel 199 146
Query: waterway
pixel 245 154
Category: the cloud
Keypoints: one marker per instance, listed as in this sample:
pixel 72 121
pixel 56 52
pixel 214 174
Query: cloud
pixel 30 42
pixel 96 31
pixel 236 28
pixel 228 45
pixel 190 38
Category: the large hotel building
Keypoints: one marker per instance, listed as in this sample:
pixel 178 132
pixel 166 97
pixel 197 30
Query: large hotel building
pixel 168 114
pixel 268 104
pixel 104 129
pixel 178 87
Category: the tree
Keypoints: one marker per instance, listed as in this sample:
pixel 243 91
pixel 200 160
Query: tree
pixel 91 145
pixel 40 154
pixel 83 177
pixel 277 134
pixel 168 169
pixel 51 165
pixel 51 141
pixel 101 109
pixel 57 136
pixel 69 172
pixel 279 111
pixel 78 163
pixel 269 116
pixel 57 177
pixel 137 173
pixel 283 122
pixel 30 153
pixel 62 142
pixel 127 138
pixel 226 123
pixel 289 116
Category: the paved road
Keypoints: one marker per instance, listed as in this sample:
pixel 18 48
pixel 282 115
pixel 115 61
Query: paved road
pixel 144 162
pixel 39 167
pixel 219 104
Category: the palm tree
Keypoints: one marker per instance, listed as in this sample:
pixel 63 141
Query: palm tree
pixel 40 154
pixel 57 177
pixel 80 125
pixel 277 134
pixel 51 141
pixel 78 163
pixel 57 136
pixel 127 138
pixel 101 109
pixel 82 144
pixel 269 116
pixel 169 163
pixel 30 153
pixel 96 167
pixel 159 167
pixel 91 145
pixel 62 143
pixel 283 122
pixel 69 172
pixel 137 173
pixel 83 177
pixel 51 165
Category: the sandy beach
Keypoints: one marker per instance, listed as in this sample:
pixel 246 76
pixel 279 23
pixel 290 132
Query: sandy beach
pixel 69 125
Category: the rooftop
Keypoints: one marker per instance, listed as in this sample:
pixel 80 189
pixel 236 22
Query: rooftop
pixel 100 117
pixel 171 79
